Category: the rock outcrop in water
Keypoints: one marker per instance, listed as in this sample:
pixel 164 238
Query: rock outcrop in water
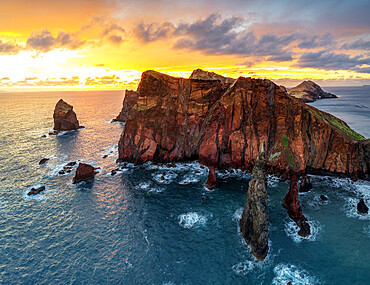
pixel 291 203
pixel 84 172
pixel 362 208
pixel 35 191
pixel 128 111
pixel 254 220
pixel 222 124
pixel 309 91
pixel 65 118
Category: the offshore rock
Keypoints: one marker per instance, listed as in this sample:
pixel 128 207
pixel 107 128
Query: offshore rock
pixel 211 181
pixel 84 172
pixel 43 160
pixel 291 203
pixel 35 191
pixel 128 110
pixel 305 184
pixel 254 220
pixel 65 118
pixel 222 124
pixel 362 208
pixel 309 91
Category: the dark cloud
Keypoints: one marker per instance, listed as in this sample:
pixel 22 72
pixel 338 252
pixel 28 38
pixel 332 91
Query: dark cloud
pixel 359 44
pixel 116 39
pixel 152 32
pixel 9 48
pixel 331 60
pixel 104 29
pixel 317 41
pixel 214 35
pixel 362 69
pixel 280 58
pixel 44 41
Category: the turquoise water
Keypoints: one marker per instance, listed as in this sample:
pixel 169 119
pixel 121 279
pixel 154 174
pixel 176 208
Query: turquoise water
pixel 134 228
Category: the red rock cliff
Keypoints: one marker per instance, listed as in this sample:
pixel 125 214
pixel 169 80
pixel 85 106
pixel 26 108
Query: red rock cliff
pixel 222 124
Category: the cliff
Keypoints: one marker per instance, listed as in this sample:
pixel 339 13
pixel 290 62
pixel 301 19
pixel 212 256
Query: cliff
pixel 222 124
pixel 127 112
pixel 309 91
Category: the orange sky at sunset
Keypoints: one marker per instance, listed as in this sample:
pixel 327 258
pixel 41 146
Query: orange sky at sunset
pixel 108 44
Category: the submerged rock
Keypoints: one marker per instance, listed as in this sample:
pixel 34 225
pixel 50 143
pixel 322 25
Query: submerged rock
pixel 254 220
pixel 323 197
pixel 84 172
pixel 305 184
pixel 362 208
pixel 222 124
pixel 65 118
pixel 43 160
pixel 309 91
pixel 35 191
pixel 291 203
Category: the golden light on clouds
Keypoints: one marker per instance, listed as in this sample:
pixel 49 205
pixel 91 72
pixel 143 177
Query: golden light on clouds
pixel 108 44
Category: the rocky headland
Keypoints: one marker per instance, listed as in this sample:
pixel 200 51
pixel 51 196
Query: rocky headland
pixel 65 118
pixel 223 123
pixel 309 91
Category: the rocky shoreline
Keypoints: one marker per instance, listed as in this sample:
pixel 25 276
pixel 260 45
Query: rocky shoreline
pixel 223 123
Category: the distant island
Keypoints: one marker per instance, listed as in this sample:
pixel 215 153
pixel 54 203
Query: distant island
pixel 309 91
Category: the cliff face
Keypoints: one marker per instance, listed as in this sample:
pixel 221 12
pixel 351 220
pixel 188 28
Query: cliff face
pixel 309 91
pixel 128 112
pixel 65 118
pixel 222 124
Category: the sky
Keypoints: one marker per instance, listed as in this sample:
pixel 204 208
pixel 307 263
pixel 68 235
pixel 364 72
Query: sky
pixel 89 44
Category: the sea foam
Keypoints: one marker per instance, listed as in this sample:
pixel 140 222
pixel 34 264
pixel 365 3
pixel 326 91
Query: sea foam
pixel 291 229
pixel 285 273
pixel 192 220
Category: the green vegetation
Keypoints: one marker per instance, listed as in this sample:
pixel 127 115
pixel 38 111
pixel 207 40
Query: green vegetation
pixel 275 155
pixel 285 142
pixel 140 108
pixel 335 123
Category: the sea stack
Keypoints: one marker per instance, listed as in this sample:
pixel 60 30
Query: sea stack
pixel 292 205
pixel 65 118
pixel 254 220
pixel 309 91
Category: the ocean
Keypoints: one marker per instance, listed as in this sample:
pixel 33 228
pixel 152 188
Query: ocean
pixel 135 228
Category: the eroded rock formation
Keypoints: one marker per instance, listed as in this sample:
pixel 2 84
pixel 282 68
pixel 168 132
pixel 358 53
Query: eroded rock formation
pixel 309 91
pixel 128 111
pixel 65 118
pixel 291 203
pixel 223 123
pixel 254 220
